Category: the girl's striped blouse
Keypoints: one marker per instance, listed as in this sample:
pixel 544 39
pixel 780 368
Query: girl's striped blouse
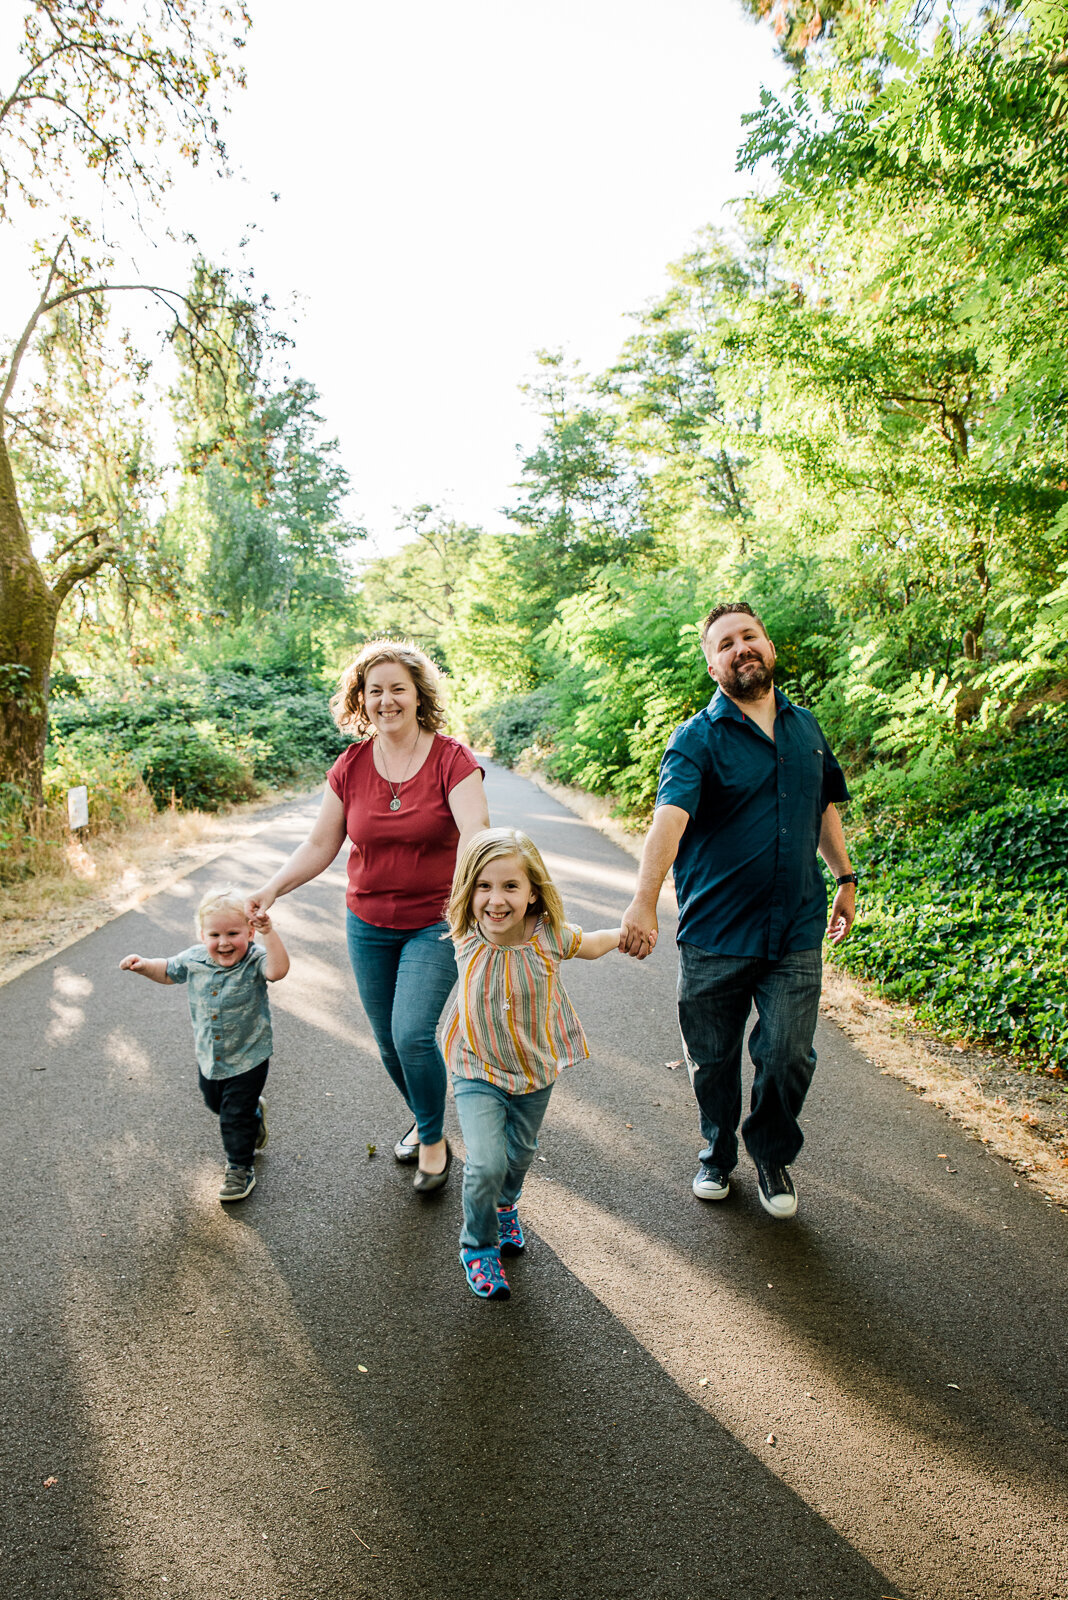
pixel 510 1020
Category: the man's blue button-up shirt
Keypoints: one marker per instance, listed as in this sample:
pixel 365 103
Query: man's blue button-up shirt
pixel 228 1005
pixel 747 876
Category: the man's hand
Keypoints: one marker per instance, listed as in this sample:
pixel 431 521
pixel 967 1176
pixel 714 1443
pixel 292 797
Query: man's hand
pixel 843 913
pixel 639 930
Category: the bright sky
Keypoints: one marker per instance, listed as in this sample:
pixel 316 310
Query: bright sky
pixel 461 184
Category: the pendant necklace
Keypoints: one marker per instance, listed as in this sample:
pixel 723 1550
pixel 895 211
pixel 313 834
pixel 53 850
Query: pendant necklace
pixel 394 804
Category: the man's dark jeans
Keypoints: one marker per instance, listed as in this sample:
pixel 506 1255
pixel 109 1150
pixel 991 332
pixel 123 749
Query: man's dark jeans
pixel 235 1103
pixel 716 994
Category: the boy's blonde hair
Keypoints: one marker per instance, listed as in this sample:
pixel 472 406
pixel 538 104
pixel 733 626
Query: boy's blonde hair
pixel 487 846
pixel 347 707
pixel 226 898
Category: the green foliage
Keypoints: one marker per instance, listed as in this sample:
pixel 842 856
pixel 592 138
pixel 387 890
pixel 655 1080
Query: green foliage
pixel 969 922
pixel 207 739
pixel 517 726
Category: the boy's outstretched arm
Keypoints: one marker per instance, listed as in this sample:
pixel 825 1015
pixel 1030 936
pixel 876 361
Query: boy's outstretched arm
pixel 154 967
pixel 598 943
pixel 277 964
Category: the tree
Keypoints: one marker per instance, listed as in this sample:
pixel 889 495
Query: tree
pixel 99 97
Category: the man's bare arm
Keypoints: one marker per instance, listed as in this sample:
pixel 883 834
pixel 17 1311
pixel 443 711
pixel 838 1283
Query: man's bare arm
pixel 832 848
pixel 638 934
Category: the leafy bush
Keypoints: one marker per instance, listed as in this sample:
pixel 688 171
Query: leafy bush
pixel 969 922
pixel 207 738
pixel 511 727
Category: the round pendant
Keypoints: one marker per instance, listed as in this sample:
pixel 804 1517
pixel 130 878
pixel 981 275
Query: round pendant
pixel 394 804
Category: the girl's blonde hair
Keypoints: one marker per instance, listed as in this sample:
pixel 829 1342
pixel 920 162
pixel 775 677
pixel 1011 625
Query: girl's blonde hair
pixel 488 846
pixel 226 898
pixel 346 704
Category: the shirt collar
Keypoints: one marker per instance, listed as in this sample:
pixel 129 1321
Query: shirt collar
pixel 721 705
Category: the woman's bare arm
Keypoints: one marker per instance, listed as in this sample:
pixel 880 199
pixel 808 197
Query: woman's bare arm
pixel 467 802
pixel 308 859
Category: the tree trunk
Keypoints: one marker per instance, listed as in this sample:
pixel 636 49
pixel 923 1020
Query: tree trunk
pixel 28 611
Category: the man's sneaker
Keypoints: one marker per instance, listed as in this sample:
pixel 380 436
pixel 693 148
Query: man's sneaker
pixel 484 1275
pixel 237 1183
pixel 261 1132
pixel 777 1193
pixel 512 1240
pixel 711 1183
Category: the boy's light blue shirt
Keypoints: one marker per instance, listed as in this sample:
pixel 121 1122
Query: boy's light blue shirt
pixel 228 1005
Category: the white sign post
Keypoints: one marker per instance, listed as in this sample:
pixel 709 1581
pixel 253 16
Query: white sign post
pixel 78 807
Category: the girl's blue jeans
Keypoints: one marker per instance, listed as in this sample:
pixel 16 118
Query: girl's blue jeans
pixel 501 1135
pixel 404 976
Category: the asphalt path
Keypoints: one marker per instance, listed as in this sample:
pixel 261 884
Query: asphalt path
pixel 297 1397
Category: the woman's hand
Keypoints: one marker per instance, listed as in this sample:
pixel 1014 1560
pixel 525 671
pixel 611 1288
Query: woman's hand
pixel 257 906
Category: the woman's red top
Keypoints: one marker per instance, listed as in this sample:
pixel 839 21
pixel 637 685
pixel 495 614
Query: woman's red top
pixel 401 862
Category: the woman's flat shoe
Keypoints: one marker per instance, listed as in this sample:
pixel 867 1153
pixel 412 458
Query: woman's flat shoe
pixel 406 1150
pixel 427 1182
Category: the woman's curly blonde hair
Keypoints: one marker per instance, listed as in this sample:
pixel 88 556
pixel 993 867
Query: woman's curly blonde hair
pixel 346 704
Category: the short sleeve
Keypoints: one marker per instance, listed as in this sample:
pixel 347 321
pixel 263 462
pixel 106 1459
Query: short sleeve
pixel 834 784
pixel 680 780
pixel 458 763
pixel 570 942
pixel 178 966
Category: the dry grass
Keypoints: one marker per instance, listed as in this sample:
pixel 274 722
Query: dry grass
pixel 110 873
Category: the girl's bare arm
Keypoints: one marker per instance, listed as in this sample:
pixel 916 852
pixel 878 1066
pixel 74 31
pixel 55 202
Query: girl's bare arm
pixel 598 944
pixel 154 967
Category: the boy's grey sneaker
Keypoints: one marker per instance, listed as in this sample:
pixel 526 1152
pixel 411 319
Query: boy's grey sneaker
pixel 711 1183
pixel 261 1132
pixel 777 1193
pixel 237 1183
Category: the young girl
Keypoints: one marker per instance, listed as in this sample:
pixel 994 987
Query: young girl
pixel 508 1032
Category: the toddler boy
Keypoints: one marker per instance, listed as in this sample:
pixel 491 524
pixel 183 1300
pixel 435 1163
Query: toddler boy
pixel 228 974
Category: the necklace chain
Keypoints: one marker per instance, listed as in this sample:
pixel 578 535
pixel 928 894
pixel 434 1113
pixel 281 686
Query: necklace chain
pixel 394 804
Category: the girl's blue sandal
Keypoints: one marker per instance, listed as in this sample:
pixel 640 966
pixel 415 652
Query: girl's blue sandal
pixel 512 1240
pixel 484 1275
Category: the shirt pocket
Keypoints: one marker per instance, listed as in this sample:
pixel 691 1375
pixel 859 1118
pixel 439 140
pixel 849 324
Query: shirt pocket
pixel 811 770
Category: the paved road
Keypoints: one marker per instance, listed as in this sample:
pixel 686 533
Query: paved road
pixel 298 1398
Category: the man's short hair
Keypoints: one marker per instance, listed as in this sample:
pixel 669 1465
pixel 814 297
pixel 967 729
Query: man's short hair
pixel 726 610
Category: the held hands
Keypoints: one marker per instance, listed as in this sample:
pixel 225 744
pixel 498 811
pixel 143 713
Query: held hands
pixel 843 913
pixel 257 906
pixel 639 932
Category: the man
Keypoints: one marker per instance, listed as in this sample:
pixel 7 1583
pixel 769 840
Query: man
pixel 747 796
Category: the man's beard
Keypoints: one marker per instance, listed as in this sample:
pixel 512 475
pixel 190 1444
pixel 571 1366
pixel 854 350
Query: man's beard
pixel 749 681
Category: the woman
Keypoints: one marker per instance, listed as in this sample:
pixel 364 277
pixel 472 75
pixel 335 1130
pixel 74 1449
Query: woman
pixel 408 798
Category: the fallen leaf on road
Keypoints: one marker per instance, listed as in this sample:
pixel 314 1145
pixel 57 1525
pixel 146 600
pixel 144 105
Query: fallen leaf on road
pixel 952 1385
pixel 359 1368
pixel 771 1439
pixel 38 1069
pixel 672 1065
pixel 628 1124
pixel 943 1156
pixel 50 1483
pixel 702 1383
pixel 372 1149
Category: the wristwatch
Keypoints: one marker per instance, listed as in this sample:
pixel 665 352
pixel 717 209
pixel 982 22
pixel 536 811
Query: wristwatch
pixel 847 877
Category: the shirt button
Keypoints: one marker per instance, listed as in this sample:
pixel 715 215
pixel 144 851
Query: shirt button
pixel 781 830
pixel 782 794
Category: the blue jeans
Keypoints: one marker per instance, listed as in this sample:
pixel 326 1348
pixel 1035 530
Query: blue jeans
pixel 404 976
pixel 715 997
pixel 501 1134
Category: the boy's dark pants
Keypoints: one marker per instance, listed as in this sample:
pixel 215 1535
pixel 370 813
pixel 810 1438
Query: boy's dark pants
pixel 234 1102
